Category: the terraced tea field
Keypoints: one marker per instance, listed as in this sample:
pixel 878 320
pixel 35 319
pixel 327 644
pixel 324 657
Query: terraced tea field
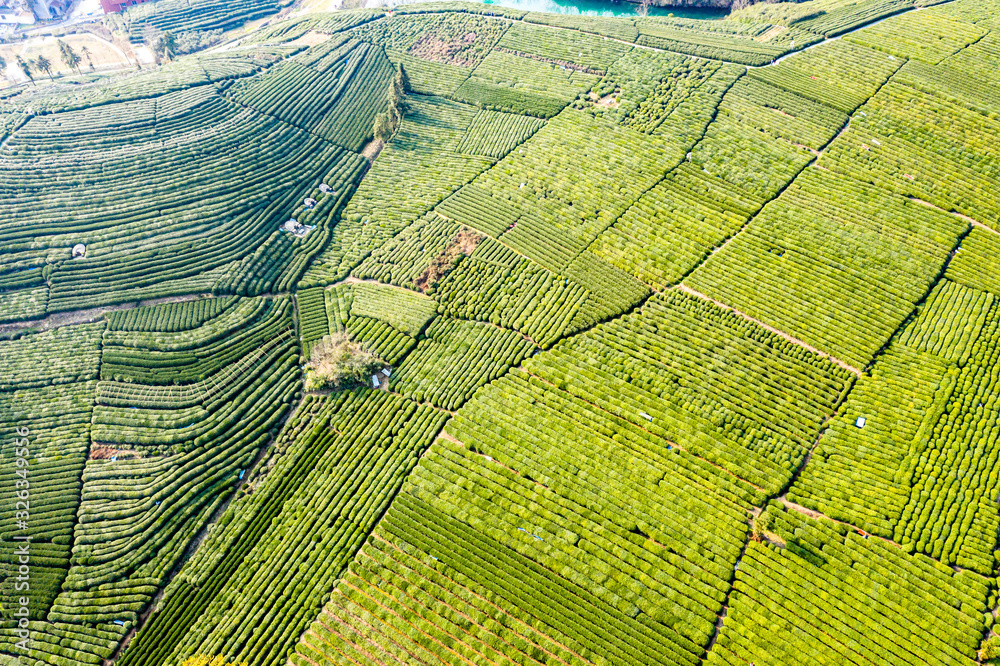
pixel 460 334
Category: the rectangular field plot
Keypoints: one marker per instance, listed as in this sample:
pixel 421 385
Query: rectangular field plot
pixel 572 180
pixel 643 87
pixel 926 35
pixel 455 359
pixel 925 147
pixel 518 557
pixel 563 46
pixel 704 379
pixel 827 595
pixel 833 262
pixel 507 82
pixel 57 419
pixel 922 471
pixel 976 263
pixel 840 74
pixel 675 225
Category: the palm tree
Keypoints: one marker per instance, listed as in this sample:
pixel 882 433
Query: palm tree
pixel 68 55
pixel 85 52
pixel 43 65
pixel 24 68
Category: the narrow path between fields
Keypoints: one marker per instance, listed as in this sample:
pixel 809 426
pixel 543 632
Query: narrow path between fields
pixel 843 364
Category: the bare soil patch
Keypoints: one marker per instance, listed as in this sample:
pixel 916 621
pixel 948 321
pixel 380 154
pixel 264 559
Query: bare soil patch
pixel 465 242
pixel 449 51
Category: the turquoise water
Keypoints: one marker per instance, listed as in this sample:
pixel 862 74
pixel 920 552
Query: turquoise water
pixel 605 8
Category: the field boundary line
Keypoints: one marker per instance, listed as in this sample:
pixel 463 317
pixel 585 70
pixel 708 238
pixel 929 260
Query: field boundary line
pixel 777 331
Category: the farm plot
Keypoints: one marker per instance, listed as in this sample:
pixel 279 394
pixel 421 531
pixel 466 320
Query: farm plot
pixel 922 146
pixel 685 370
pixel 837 20
pixel 495 134
pixel 675 225
pixel 456 358
pixel 497 285
pixel 622 28
pixel 451 38
pixel 71 354
pixel 23 304
pixel 389 319
pixel 508 82
pixel 781 114
pixel 643 87
pixel 562 47
pixel 173 455
pixel 835 263
pixel 826 593
pixel 419 168
pixel 969 76
pixel 730 41
pixel 51 424
pixel 406 259
pixel 926 35
pixel 500 556
pixel 148 229
pixel 180 74
pixel 428 77
pixel 333 90
pixel 841 74
pixel 923 476
pixel 747 158
pixel 247 592
pixel 976 263
pixel 194 15
pixel 571 181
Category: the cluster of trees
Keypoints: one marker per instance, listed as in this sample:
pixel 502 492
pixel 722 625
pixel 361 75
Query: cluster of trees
pixel 386 123
pixel 41 64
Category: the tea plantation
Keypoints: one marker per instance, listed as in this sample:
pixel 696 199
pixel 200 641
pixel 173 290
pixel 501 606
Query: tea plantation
pixel 675 341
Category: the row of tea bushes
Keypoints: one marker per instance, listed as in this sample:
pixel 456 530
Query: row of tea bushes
pixel 706 379
pixel 419 168
pixel 455 359
pixel 928 476
pixel 867 255
pixel 254 595
pixel 675 225
pixel 826 594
